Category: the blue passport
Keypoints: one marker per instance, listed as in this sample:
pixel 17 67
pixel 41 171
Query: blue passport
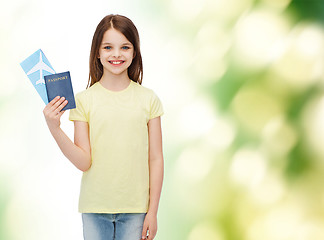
pixel 60 84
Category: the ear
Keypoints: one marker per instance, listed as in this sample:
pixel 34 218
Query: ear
pixel 134 54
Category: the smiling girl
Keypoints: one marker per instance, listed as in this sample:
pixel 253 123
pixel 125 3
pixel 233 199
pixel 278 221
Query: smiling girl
pixel 117 138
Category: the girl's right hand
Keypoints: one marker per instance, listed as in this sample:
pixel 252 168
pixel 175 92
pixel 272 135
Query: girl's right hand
pixel 53 113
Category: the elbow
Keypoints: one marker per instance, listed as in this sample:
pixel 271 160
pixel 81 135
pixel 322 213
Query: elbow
pixel 84 169
pixel 86 166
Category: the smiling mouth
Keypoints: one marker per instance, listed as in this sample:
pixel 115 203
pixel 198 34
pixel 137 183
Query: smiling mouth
pixel 116 62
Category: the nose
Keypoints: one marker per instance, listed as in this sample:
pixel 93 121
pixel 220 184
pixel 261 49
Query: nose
pixel 116 53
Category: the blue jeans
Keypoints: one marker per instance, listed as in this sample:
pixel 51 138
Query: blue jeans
pixel 120 226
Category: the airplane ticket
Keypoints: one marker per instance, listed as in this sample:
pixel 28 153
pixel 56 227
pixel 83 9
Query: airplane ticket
pixel 36 66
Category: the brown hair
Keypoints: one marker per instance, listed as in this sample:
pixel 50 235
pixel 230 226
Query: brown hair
pixel 128 29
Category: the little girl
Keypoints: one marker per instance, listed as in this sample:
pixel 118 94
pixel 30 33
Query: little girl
pixel 117 138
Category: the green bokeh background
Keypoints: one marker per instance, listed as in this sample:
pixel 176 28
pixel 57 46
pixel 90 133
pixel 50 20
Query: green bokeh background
pixel 241 82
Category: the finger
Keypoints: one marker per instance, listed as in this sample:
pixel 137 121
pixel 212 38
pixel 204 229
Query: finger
pixel 57 103
pixel 61 106
pixel 54 100
pixel 50 104
pixel 144 232
pixel 150 235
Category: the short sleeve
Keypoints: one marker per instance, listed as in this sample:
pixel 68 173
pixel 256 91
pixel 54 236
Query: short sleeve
pixel 156 108
pixel 80 113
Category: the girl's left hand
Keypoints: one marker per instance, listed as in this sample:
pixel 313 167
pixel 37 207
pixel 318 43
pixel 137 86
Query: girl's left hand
pixel 150 225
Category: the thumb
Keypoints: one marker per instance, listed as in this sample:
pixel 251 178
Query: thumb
pixel 144 232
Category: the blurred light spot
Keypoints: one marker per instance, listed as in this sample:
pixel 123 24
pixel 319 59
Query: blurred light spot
pixel 313 122
pixel 206 230
pixel 209 68
pixel 313 230
pixel 212 43
pixel 23 212
pixel 301 62
pixel 278 4
pixel 280 223
pixel 254 107
pixel 196 119
pixel 310 41
pixel 186 10
pixel 226 10
pixel 221 136
pixel 173 50
pixel 278 136
pixel 167 95
pixel 255 37
pixel 194 163
pixel 248 168
pixel 270 190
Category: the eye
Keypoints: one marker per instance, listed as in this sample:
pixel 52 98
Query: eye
pixel 107 47
pixel 125 47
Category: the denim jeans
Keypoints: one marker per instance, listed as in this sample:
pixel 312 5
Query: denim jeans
pixel 120 226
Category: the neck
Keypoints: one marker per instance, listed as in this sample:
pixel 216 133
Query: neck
pixel 115 82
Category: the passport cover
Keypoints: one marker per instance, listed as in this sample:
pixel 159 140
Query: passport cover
pixel 36 66
pixel 60 84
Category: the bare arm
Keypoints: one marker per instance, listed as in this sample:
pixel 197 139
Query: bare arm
pixel 156 164
pixel 79 151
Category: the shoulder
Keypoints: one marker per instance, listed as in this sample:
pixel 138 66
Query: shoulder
pixel 151 101
pixel 84 99
pixel 144 91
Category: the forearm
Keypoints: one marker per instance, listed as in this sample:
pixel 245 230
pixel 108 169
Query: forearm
pixel 156 181
pixel 78 157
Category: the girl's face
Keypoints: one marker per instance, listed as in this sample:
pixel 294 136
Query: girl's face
pixel 116 53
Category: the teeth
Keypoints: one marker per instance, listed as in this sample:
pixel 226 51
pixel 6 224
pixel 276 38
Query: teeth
pixel 114 62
